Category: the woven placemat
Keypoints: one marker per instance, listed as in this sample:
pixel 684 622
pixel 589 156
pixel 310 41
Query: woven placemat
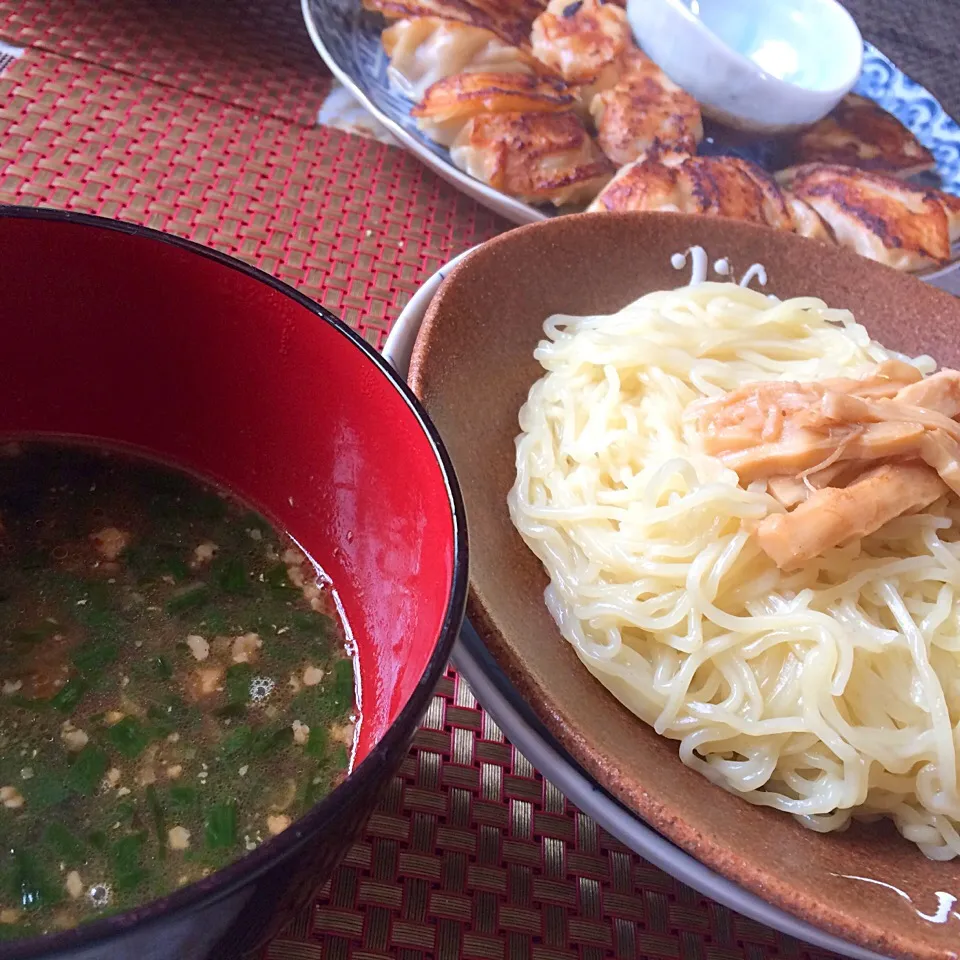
pixel 471 853
pixel 347 220
pixel 251 53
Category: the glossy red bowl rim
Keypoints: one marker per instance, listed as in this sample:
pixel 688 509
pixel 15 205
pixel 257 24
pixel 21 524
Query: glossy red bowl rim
pixel 225 882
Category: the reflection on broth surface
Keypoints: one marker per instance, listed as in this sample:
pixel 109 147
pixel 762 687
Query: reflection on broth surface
pixel 174 684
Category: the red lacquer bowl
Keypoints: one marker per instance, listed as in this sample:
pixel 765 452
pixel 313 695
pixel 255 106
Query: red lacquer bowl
pixel 124 335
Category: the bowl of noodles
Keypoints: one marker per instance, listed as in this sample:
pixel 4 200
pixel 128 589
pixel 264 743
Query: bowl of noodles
pixel 711 475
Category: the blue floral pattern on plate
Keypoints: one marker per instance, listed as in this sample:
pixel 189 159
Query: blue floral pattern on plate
pixel 916 108
pixel 348 38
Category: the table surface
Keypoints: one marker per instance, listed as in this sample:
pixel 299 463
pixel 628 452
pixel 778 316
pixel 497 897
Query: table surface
pixel 199 117
pixel 922 38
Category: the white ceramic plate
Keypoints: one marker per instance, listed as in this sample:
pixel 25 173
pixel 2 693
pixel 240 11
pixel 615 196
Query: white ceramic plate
pixel 502 701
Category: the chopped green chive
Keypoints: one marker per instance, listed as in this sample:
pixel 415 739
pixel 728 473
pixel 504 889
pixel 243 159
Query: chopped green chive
pixel 45 789
pixel 317 742
pixel 69 695
pixel 230 711
pixel 125 853
pixel 129 737
pixel 92 657
pixel 268 738
pixel 189 598
pixel 220 829
pixel 237 682
pixel 276 577
pixel 176 567
pixel 31 887
pixel 64 844
pixel 340 695
pixel 158 818
pixel 237 741
pixel 101 624
pixel 87 770
pixel 183 798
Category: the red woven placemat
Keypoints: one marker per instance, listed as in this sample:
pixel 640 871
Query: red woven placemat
pixel 251 53
pixel 471 853
pixel 348 221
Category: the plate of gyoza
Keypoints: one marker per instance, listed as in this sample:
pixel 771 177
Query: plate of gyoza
pixel 537 109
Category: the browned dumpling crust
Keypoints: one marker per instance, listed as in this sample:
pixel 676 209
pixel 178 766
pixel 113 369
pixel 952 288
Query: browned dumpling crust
pixel 508 20
pixel 904 226
pixel 860 133
pixel 714 186
pixel 643 109
pixel 450 103
pixel 509 84
pixel 583 41
pixel 425 50
pixel 535 157
pixel 525 11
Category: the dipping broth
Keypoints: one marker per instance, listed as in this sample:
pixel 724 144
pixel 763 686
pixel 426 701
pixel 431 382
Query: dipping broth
pixel 175 686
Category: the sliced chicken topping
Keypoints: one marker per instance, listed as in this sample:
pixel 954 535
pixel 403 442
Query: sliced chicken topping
pixel 793 414
pixel 942 452
pixel 842 408
pixel 756 412
pixel 810 451
pixel 886 381
pixel 834 516
pixel 843 456
pixel 789 491
pixel 939 392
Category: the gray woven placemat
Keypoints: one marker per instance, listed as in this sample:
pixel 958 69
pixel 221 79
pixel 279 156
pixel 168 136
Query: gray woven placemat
pixel 922 37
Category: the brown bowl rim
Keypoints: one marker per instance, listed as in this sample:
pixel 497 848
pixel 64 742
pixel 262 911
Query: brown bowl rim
pixel 713 854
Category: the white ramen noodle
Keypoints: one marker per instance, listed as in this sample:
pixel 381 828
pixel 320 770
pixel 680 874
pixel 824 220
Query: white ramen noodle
pixel 828 693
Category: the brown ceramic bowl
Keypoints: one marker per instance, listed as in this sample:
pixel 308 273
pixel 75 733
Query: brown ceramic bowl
pixel 472 367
